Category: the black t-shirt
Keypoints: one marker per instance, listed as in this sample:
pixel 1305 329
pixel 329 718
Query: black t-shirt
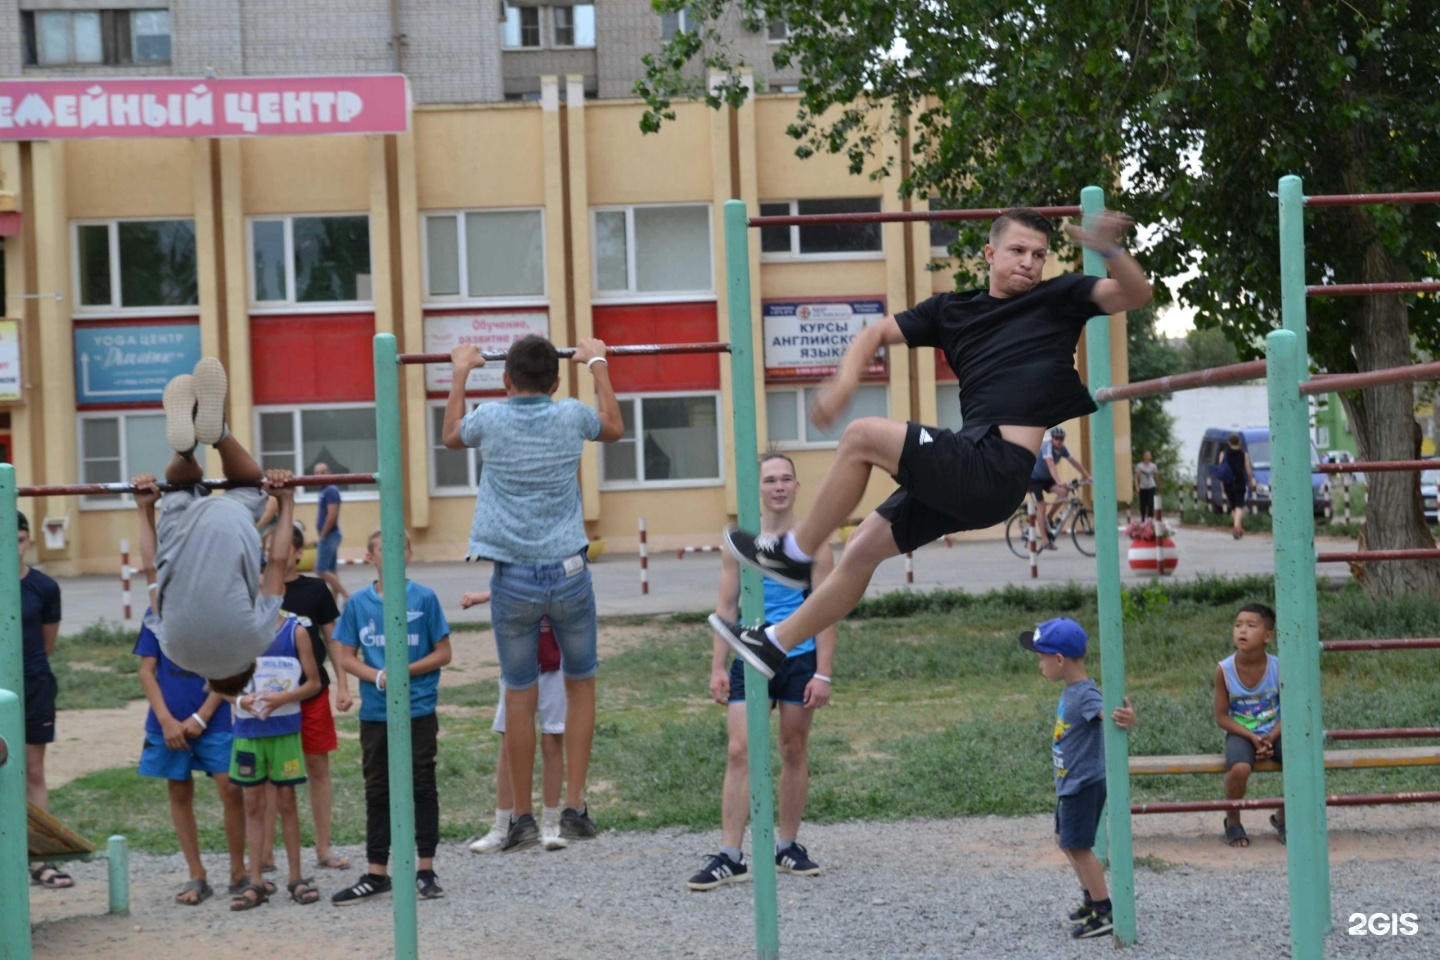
pixel 39 607
pixel 1015 356
pixel 310 599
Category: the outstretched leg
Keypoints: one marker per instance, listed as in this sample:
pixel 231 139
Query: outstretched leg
pixel 870 545
pixel 866 444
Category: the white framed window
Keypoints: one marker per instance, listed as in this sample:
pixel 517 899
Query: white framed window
pixel 521 30
pixel 130 265
pixel 777 31
pixel 490 255
pixel 341 435
pixel 947 405
pixel 62 38
pixel 117 445
pixel 310 261
pixel 658 252
pixel 787 415
pixel 827 241
pixel 680 21
pixel 942 232
pixel 670 440
pixel 453 473
pixel 574 25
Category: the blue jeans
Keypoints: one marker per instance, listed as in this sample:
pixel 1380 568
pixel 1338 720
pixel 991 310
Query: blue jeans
pixel 327 552
pixel 521 594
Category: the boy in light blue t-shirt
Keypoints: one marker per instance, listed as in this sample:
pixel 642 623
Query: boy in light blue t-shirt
pixel 361 635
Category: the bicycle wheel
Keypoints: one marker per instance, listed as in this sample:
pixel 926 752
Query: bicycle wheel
pixel 1082 531
pixel 1016 529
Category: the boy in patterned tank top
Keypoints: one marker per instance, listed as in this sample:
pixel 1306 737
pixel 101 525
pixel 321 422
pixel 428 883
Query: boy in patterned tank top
pixel 1247 708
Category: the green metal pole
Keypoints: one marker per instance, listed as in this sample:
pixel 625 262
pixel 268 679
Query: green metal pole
pixel 14 820
pixel 1299 636
pixel 1107 593
pixel 752 603
pixel 117 862
pixel 397 645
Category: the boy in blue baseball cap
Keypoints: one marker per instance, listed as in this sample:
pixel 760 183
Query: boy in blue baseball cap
pixel 1079 750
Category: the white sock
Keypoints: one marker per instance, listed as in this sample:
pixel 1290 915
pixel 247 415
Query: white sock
pixel 550 817
pixel 782 842
pixel 792 549
pixel 734 853
pixel 502 818
pixel 770 635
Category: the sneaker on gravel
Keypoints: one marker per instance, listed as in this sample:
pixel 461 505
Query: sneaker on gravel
pixel 719 871
pixel 368 887
pixel 490 843
pixel 767 555
pixel 550 837
pixel 523 834
pixel 210 386
pixel 796 859
pixel 1095 925
pixel 750 644
pixel 576 824
pixel 1079 914
pixel 179 401
pixel 427 886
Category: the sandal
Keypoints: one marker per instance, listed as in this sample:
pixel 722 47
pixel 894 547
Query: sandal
pixel 303 891
pixel 1235 835
pixel 199 888
pixel 51 877
pixel 1279 826
pixel 332 862
pixel 249 897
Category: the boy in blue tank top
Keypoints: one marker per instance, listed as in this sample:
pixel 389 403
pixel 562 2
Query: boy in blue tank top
pixel 1247 708
pixel 267 750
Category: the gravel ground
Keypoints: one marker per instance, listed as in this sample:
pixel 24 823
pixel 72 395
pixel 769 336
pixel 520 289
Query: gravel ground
pixel 985 888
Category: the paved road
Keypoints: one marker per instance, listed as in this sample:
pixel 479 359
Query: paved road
pixel 689 584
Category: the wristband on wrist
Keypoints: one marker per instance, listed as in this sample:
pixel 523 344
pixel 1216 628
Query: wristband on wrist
pixel 821 676
pixel 200 720
pixel 590 364
pixel 380 679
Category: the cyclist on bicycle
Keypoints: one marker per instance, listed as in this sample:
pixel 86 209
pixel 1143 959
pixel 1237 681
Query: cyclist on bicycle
pixel 1045 478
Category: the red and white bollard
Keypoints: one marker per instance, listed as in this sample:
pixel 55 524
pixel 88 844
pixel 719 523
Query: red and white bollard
pixel 644 560
pixel 910 567
pixel 1159 537
pixel 1345 486
pixel 681 551
pixel 125 579
pixel 1034 539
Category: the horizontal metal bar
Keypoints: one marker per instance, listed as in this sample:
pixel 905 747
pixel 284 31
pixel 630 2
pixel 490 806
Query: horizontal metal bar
pixel 1362 556
pixel 1384 733
pixel 902 216
pixel 1371 378
pixel 1410 643
pixel 1377 466
pixel 81 489
pixel 632 350
pixel 1370 289
pixel 1275 803
pixel 1233 373
pixel 1369 199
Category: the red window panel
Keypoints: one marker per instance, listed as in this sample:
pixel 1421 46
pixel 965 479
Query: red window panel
pixel 942 368
pixel 313 359
pixel 661 323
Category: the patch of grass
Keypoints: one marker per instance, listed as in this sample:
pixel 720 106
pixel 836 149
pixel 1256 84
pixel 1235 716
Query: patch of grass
pixel 1155 864
pixel 97 667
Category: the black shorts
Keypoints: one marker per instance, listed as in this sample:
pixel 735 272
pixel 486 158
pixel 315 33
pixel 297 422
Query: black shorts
pixel 954 481
pixel 1077 816
pixel 40 691
pixel 1235 495
pixel 1240 749
pixel 787 686
pixel 1038 488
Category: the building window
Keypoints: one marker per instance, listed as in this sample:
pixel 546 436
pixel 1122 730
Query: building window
pixel 311 260
pixel 479 255
pixel 575 26
pixel 942 232
pixel 453 473
pixel 117 446
pixel 522 28
pixel 787 415
pixel 681 21
pixel 57 38
pixel 670 440
pixel 777 31
pixel 341 436
pixel 645 251
pixel 135 264
pixel 836 241
pixel 947 406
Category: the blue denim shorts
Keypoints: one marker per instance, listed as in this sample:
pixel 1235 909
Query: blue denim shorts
pixel 208 753
pixel 523 594
pixel 327 551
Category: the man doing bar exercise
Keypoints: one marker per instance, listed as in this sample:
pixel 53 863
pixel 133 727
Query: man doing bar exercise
pixel 1012 346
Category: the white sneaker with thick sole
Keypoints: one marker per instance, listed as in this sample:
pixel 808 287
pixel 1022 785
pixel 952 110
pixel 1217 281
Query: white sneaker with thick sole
pixel 179 400
pixel 490 843
pixel 550 837
pixel 210 384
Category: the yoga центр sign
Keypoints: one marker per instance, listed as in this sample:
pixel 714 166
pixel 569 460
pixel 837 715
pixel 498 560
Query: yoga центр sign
pixel 169 107
pixel 132 363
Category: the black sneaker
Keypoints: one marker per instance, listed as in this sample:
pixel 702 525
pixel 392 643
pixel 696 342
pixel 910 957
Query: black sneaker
pixel 522 836
pixel 718 872
pixel 576 824
pixel 427 886
pixel 767 555
pixel 368 887
pixel 750 644
pixel 796 859
pixel 1079 914
pixel 1095 925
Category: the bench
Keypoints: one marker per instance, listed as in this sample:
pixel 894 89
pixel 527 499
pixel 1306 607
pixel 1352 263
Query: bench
pixel 1334 760
pixel 51 840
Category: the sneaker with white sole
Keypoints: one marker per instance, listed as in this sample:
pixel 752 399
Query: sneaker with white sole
pixel 719 871
pixel 523 834
pixel 490 843
pixel 576 824
pixel 211 385
pixel 427 885
pixel 1095 925
pixel 550 837
pixel 179 401
pixel 368 887
pixel 750 644
pixel 767 555
pixel 795 859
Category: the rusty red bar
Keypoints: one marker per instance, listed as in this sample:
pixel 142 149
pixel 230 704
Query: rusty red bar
pixel 1274 803
pixel 1369 289
pixel 1371 378
pixel 1363 556
pixel 1233 373
pixel 1369 199
pixel 1411 643
pixel 901 216
pixel 632 350
pixel 1377 466
pixel 82 489
pixel 1384 733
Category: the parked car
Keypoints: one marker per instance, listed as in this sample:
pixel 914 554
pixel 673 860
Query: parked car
pixel 1428 481
pixel 1256 442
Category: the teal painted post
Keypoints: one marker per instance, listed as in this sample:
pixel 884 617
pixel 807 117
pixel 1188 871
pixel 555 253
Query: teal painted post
pixel 752 604
pixel 14 821
pixel 1292 266
pixel 12 657
pixel 1107 593
pixel 397 644
pixel 117 863
pixel 1298 631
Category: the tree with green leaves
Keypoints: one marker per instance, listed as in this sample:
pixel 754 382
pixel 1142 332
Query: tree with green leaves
pixel 1187 113
pixel 1151 427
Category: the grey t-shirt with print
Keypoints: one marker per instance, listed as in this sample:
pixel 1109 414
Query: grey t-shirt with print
pixel 1146 472
pixel 1079 740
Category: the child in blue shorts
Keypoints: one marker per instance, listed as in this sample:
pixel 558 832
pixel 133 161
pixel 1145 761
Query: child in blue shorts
pixel 1079 754
pixel 186 731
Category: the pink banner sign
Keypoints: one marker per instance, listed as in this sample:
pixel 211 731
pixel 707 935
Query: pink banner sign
pixel 241 107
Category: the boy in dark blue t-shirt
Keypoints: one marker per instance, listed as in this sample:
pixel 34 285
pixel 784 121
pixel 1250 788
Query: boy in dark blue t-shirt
pixel 1079 755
